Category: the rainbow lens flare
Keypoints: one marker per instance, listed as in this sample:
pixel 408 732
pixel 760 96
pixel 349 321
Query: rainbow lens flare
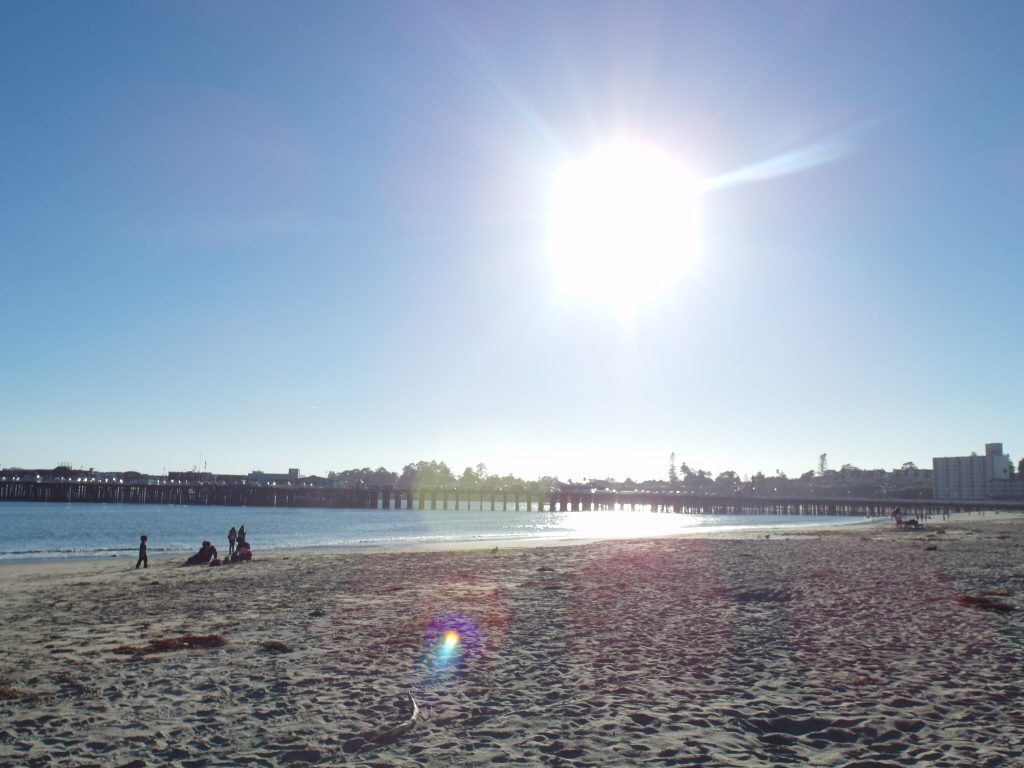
pixel 449 643
pixel 447 649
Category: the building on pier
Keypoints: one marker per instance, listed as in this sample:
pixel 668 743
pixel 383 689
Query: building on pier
pixel 271 478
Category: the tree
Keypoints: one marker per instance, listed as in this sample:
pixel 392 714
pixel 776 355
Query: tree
pixel 673 476
pixel 469 478
pixel 822 464
pixel 698 480
pixel 432 474
pixel 383 477
pixel 408 477
pixel 909 466
pixel 728 480
pixel 545 483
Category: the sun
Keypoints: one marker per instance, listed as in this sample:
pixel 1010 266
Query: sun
pixel 623 224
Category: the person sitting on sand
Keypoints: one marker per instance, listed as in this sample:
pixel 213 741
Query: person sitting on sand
pixel 206 553
pixel 243 553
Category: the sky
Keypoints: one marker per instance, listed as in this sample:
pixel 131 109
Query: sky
pixel 251 235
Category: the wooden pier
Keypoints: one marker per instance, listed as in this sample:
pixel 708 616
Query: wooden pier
pixel 555 500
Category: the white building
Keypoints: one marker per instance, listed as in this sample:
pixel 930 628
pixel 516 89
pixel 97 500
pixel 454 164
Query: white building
pixel 970 477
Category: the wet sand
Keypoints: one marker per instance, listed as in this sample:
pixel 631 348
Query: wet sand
pixel 828 647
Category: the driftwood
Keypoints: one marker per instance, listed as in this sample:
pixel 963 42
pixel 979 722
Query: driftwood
pixel 384 737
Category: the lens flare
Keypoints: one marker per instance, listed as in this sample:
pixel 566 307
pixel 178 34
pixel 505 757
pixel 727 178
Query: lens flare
pixel 451 641
pixel 449 648
pixel 463 618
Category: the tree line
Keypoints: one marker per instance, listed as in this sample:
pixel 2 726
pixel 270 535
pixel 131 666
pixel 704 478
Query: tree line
pixel 907 482
pixel 437 474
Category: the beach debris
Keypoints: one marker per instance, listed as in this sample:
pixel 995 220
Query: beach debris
pixel 996 592
pixel 173 644
pixel 866 680
pixel 71 683
pixel 275 646
pixel 9 694
pixel 390 734
pixel 985 603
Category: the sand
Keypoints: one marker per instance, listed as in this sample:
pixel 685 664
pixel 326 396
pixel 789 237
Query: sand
pixel 825 648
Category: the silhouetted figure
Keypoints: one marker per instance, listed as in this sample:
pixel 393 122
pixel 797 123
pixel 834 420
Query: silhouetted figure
pixel 143 559
pixel 206 553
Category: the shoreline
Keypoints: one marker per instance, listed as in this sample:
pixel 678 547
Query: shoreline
pixel 449 545
pixel 462 545
pixel 838 645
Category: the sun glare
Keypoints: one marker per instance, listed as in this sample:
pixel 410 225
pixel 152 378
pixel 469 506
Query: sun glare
pixel 623 224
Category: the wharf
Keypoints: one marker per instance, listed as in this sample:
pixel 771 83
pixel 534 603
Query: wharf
pixel 554 500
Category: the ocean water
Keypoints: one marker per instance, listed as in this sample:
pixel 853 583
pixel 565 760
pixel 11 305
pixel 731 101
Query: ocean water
pixel 53 531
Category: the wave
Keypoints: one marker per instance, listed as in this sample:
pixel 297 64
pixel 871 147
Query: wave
pixel 83 552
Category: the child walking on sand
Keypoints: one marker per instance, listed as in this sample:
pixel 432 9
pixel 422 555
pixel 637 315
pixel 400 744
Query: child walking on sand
pixel 143 560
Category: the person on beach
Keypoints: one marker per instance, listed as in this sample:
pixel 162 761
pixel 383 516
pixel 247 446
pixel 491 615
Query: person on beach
pixel 243 553
pixel 143 559
pixel 240 540
pixel 206 553
pixel 232 535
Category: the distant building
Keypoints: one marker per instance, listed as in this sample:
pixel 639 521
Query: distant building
pixel 973 477
pixel 267 478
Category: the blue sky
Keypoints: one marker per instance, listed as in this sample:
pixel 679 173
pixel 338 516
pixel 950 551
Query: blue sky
pixel 264 235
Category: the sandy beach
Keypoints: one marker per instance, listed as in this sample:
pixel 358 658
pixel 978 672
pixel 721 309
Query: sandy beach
pixel 864 646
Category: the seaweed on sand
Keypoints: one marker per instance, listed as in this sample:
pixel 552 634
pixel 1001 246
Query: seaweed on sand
pixel 985 603
pixel 275 646
pixel 168 644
